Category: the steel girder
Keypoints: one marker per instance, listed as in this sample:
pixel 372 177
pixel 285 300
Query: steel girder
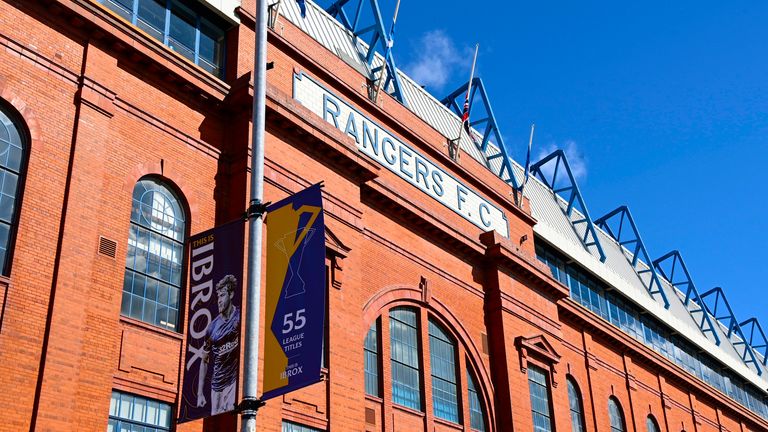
pixel 378 36
pixel 487 126
pixel 574 197
pixel 691 292
pixel 753 328
pixel 633 242
pixel 726 316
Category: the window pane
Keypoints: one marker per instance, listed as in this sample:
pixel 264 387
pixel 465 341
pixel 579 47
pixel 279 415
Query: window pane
pixel 182 31
pixel 138 409
pixel 406 385
pixel 151 17
pixel 136 413
pixel 650 424
pixel 180 28
pixel 126 402
pixel 616 416
pixel 124 8
pixel 4 238
pixel 371 350
pixel 476 411
pixel 11 158
pixel 295 427
pixel 211 45
pixel 443 365
pixel 155 252
pixel 574 401
pixel 537 383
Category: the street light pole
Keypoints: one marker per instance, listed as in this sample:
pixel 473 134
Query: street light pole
pixel 255 225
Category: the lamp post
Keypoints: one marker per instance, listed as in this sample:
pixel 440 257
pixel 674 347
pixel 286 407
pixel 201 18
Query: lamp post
pixel 250 402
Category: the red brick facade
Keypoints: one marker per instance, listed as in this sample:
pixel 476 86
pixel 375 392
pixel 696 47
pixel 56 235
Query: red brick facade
pixel 104 105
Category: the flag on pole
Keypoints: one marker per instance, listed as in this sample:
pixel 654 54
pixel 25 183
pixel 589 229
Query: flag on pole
pixel 302 8
pixel 465 111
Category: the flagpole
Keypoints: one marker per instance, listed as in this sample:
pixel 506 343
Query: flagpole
pixel 394 20
pixel 469 88
pixel 251 403
pixel 527 163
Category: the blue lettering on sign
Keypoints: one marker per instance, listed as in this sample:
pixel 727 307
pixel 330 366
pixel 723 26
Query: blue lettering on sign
pixel 368 139
pixel 421 171
pixel 437 179
pixel 461 195
pixel 389 158
pixel 399 158
pixel 484 206
pixel 335 113
pixel 403 162
pixel 351 129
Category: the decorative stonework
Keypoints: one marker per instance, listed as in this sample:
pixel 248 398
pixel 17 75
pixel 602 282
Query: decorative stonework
pixel 335 252
pixel 541 350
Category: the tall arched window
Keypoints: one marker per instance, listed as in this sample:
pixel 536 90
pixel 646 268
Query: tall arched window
pixel 442 355
pixel 419 341
pixel 576 406
pixel 12 161
pixel 153 265
pixel 406 376
pixel 616 415
pixel 476 416
pixel 651 424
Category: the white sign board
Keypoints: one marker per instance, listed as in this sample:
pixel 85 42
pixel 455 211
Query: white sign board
pixel 390 152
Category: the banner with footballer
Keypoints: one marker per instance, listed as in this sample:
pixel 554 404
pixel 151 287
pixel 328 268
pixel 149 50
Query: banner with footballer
pixel 295 293
pixel 212 363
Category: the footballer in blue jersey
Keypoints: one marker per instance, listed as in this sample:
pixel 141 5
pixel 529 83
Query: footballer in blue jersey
pixel 222 343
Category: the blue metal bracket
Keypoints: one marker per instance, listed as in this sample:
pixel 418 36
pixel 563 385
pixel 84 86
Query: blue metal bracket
pixel 487 126
pixel 754 328
pixel 691 293
pixel 633 242
pixel 734 328
pixel 573 198
pixel 378 35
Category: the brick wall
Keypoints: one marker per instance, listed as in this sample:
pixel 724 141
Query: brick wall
pixel 105 106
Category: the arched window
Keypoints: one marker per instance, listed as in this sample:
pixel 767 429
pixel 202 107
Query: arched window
pixel 12 162
pixel 442 355
pixel 651 424
pixel 476 411
pixel 404 346
pixel 616 415
pixel 576 406
pixel 419 341
pixel 153 265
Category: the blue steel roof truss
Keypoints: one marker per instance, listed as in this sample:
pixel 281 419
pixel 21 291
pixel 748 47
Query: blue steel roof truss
pixel 573 197
pixel 727 317
pixel 633 242
pixel 754 328
pixel 692 297
pixel 486 126
pixel 378 35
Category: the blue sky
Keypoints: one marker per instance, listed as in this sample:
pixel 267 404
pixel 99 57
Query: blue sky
pixel 660 106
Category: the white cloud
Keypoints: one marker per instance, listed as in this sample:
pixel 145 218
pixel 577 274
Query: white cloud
pixel 438 60
pixel 576 159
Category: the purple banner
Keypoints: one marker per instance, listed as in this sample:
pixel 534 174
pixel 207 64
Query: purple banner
pixel 212 363
pixel 295 293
